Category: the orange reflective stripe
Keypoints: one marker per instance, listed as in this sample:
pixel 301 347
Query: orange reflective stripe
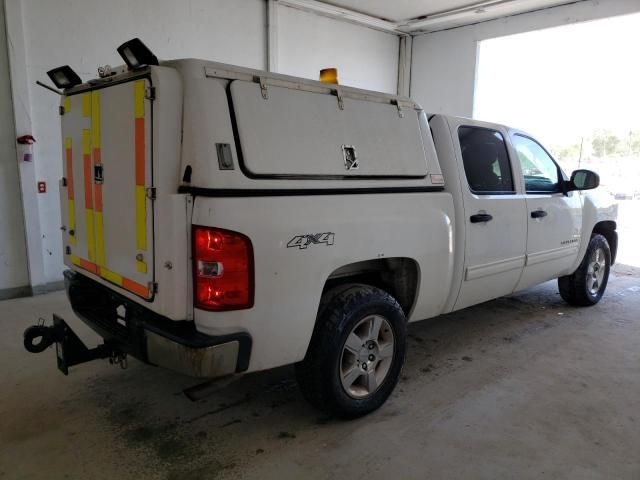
pixel 88 193
pixel 88 199
pixel 111 277
pixel 135 287
pixel 89 266
pixel 140 151
pixel 98 186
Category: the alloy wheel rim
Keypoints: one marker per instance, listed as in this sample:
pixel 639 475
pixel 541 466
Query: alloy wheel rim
pixel 367 355
pixel 595 271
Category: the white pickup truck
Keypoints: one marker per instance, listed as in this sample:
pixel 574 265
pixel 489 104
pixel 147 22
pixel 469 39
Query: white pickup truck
pixel 219 221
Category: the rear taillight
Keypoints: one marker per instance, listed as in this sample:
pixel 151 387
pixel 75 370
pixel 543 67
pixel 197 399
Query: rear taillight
pixel 222 269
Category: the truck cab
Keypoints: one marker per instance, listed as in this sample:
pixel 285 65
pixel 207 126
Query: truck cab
pixel 518 223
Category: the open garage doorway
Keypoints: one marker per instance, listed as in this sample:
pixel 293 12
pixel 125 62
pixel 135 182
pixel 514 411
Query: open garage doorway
pixel 576 88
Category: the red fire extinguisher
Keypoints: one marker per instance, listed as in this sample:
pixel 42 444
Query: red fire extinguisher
pixel 26 142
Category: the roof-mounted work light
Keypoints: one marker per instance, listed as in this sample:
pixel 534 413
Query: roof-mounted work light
pixel 136 54
pixel 64 77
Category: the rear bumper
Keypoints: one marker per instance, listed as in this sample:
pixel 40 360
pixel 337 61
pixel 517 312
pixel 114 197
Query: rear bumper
pixel 154 339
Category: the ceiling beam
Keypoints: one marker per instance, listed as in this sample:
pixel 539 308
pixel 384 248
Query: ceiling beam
pixel 479 11
pixel 480 8
pixel 345 14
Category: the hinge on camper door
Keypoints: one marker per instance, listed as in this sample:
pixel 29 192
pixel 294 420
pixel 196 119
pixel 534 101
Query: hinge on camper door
pixel 339 95
pixel 153 287
pixel 150 93
pixel 61 110
pixel 263 88
pixel 399 107
pixel 151 193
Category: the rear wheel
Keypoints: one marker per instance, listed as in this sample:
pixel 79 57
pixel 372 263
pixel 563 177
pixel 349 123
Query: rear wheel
pixel 356 352
pixel 587 284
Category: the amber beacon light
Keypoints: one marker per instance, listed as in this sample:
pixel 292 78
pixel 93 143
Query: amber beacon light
pixel 329 75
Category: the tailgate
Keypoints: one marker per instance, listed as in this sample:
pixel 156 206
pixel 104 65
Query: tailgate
pixel 108 206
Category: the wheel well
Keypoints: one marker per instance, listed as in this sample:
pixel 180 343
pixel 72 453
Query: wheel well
pixel 607 229
pixel 398 276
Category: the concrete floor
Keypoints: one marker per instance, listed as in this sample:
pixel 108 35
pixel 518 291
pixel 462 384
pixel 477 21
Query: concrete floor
pixel 521 387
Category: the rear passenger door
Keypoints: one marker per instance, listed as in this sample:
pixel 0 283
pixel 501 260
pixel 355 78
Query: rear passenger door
pixel 554 218
pixel 494 210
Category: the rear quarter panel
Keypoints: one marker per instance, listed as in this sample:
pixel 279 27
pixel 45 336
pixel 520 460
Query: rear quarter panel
pixel 289 280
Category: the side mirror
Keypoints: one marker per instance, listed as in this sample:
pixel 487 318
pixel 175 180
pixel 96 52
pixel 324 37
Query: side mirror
pixel 584 180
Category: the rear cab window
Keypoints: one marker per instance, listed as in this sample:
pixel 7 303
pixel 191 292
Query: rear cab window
pixel 486 161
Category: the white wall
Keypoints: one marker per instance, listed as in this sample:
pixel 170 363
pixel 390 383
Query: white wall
pixel 13 255
pixel 444 63
pixel 85 34
pixel 364 57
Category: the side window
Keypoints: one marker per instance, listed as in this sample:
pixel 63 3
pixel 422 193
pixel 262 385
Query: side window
pixel 486 161
pixel 540 172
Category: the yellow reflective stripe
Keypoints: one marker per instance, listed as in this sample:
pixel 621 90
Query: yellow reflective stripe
pixel 141 266
pixel 141 217
pixel 99 239
pixel 68 142
pixel 86 104
pixel 72 222
pixel 75 259
pixel 111 276
pixel 91 240
pixel 139 88
pixel 95 118
pixel 66 104
pixel 86 141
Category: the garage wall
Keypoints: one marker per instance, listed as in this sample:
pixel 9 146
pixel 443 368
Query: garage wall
pixel 13 255
pixel 85 34
pixel 364 57
pixel 444 63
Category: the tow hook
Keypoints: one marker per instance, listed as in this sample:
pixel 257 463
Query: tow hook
pixel 47 336
pixel 70 350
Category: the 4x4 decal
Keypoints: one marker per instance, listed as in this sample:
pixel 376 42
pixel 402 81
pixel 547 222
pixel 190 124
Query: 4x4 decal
pixel 303 241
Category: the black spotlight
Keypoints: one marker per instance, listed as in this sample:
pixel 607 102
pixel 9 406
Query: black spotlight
pixel 136 54
pixel 64 77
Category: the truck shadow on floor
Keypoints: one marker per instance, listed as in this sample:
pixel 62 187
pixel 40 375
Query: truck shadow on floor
pixel 265 411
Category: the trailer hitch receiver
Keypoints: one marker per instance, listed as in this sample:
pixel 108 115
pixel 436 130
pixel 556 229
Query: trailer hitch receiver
pixel 70 350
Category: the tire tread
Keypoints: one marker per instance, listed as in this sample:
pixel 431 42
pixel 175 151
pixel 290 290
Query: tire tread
pixel 312 373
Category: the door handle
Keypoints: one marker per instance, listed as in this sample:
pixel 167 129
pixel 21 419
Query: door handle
pixel 480 218
pixel 538 214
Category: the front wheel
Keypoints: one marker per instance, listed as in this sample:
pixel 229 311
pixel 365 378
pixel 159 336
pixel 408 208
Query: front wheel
pixel 356 353
pixel 587 284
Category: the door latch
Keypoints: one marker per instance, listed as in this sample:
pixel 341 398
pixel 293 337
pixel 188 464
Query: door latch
pixel 480 218
pixel 150 93
pixel 98 175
